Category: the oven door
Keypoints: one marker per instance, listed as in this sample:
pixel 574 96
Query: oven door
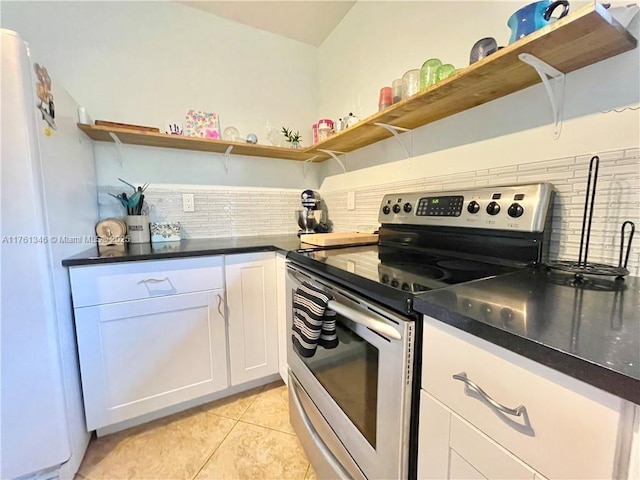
pixel 355 398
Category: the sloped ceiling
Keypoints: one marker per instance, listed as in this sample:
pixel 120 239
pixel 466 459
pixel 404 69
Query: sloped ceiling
pixel 309 22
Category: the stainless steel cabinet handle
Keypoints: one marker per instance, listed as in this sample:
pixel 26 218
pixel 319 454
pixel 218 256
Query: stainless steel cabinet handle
pixel 219 304
pixel 518 411
pixel 153 280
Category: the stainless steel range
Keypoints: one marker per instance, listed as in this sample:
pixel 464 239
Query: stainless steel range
pixel 354 407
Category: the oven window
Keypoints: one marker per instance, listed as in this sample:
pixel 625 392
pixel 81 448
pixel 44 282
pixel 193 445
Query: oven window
pixel 349 373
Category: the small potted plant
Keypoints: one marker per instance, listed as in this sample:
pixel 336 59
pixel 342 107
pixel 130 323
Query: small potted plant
pixel 292 138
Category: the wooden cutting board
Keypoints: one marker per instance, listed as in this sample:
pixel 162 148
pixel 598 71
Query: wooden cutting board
pixel 338 238
pixel 140 128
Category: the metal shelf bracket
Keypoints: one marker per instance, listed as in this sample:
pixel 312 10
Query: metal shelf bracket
pixel 225 159
pixel 119 148
pixel 306 163
pixel 333 155
pixel 553 80
pixel 394 130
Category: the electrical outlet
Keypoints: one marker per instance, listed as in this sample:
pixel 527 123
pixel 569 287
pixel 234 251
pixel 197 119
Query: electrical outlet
pixel 188 204
pixel 351 201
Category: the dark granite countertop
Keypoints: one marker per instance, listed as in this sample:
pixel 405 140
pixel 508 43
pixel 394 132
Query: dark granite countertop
pixel 185 248
pixel 590 332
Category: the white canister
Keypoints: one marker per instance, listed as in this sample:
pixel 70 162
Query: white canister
pixel 325 129
pixel 138 228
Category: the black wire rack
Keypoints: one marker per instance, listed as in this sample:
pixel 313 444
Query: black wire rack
pixel 582 266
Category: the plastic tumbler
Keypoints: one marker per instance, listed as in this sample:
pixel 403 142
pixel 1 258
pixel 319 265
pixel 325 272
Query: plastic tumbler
pixel 428 72
pixel 444 71
pixel 396 90
pixel 410 83
pixel 385 98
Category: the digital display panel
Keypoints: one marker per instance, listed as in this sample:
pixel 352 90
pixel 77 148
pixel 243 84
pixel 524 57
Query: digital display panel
pixel 450 206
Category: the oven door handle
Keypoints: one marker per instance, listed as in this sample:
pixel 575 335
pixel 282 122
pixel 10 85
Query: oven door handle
pixel 362 319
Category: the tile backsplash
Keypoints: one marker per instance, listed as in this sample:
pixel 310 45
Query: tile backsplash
pixel 219 211
pixel 617 199
pixel 241 211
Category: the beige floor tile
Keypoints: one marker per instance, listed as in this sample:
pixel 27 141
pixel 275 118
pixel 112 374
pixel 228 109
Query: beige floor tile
pixel 233 406
pixel 270 409
pixel 174 447
pixel 252 452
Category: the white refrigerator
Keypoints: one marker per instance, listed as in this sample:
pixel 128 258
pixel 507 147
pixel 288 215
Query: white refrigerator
pixel 48 212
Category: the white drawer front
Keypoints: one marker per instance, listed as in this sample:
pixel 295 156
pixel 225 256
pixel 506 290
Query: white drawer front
pixel 572 427
pixel 119 282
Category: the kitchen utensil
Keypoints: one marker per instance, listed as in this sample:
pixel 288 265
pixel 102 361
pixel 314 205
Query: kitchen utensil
pixel 482 48
pixel 533 17
pixel 339 238
pixel 127 183
pixel 582 266
pixel 127 126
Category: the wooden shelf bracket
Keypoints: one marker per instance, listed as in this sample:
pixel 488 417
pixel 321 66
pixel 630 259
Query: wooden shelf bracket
pixel 553 80
pixel 333 155
pixel 306 164
pixel 394 130
pixel 119 148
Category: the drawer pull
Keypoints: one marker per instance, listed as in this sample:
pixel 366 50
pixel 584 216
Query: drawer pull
pixel 153 280
pixel 518 411
pixel 219 305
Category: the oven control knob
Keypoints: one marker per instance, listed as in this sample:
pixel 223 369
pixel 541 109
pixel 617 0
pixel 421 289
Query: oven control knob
pixel 493 208
pixel 407 207
pixel 395 283
pixel 385 278
pixel 515 210
pixel 473 207
pixel 406 287
pixel 396 208
pixel 386 210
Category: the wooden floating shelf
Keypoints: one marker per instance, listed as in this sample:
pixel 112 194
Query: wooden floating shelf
pixel 578 40
pixel 150 139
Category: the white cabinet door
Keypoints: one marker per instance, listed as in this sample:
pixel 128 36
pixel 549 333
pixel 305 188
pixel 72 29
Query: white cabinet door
pixel 140 356
pixel 252 316
pixel 283 334
pixel 451 448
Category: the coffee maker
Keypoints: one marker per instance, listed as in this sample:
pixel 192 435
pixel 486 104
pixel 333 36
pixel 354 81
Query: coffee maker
pixel 310 218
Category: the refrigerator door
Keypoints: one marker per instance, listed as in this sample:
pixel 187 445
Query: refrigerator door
pixel 71 212
pixel 33 418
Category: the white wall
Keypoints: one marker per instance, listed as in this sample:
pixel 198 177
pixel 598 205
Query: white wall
pixel 378 41
pixel 148 62
pixel 508 140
